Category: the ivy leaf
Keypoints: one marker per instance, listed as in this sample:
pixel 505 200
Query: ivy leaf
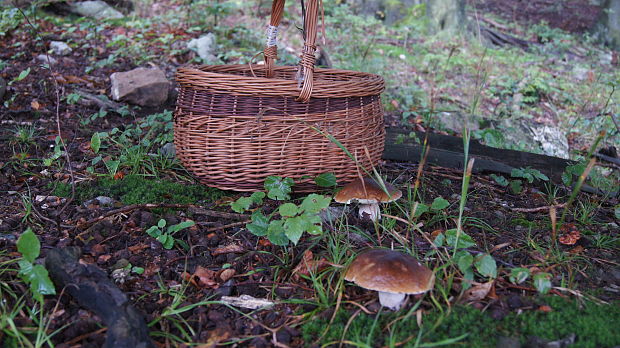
pixel 278 188
pixel 464 260
pixel 486 266
pixel 314 203
pixel 259 224
pixel 95 142
pixel 288 209
pixel 519 275
pixel 439 204
pixel 294 228
pixel 326 180
pixel 542 282
pixel 275 233
pixel 465 241
pixel 28 245
pixel 242 204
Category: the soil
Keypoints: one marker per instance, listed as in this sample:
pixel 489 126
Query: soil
pixel 261 269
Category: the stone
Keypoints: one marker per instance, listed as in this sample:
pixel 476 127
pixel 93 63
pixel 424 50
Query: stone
pixel 529 135
pixel 454 121
pixel 45 59
pixel 205 47
pixel 95 9
pixel 60 48
pixel 168 150
pixel 141 86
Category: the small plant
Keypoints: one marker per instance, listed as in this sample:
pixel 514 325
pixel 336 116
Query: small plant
pixel 516 186
pixel 166 238
pixel 33 274
pixel 541 280
pixel 295 219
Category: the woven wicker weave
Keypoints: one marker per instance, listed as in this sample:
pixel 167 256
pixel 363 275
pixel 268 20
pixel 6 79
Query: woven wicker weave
pixel 234 126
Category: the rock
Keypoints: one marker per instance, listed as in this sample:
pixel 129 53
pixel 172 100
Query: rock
pixel 60 48
pixel 141 86
pixel 100 200
pixel 2 87
pixel 45 59
pixel 204 46
pixel 508 342
pixel 552 140
pixel 454 121
pixel 168 150
pixel 529 135
pixel 95 9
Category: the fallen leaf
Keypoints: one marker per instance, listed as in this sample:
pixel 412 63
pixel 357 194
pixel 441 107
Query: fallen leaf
pixel 230 248
pixel 119 175
pixel 226 274
pixel 265 243
pixel 138 248
pixel 478 292
pixel 545 308
pixel 576 250
pixel 570 234
pixel 435 233
pixel 35 104
pixel 216 336
pixel 204 278
pixel 308 265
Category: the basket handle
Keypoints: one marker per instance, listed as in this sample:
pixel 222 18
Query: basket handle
pixel 305 73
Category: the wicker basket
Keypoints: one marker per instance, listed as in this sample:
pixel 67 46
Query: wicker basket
pixel 237 124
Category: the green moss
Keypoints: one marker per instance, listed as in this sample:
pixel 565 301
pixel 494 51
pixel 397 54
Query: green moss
pixel 137 189
pixel 595 326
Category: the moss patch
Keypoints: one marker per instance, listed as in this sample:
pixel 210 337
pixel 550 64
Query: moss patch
pixel 137 189
pixel 594 325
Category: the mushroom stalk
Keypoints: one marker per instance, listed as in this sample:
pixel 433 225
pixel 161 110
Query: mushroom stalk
pixel 391 300
pixel 373 211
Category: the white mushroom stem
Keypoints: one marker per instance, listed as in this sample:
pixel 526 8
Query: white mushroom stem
pixel 391 300
pixel 372 210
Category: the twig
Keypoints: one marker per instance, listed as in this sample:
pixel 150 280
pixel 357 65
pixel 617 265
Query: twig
pixel 234 224
pixel 131 207
pixel 537 209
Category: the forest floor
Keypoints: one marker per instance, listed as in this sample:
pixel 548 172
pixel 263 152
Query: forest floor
pixel 535 288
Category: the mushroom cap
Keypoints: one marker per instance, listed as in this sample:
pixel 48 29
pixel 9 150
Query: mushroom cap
pixel 367 191
pixel 391 271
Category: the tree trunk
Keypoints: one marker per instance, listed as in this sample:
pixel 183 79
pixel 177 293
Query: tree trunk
pixel 608 24
pixel 446 15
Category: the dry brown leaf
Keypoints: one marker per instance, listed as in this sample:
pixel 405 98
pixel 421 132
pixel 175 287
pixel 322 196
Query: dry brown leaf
pixel 478 292
pixel 308 264
pixel 216 336
pixel 545 308
pixel 226 274
pixel 230 248
pixel 138 247
pixel 570 234
pixel 202 278
pixel 576 250
pixel 35 104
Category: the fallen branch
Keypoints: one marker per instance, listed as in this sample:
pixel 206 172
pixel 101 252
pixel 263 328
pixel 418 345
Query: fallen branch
pixel 537 209
pixel 92 289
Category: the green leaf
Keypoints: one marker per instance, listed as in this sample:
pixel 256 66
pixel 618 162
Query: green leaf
pixel 137 270
pixel 486 266
pixel 326 180
pixel 314 203
pixel 257 197
pixel 288 209
pixel 153 231
pixel 519 275
pixel 420 209
pixel 181 225
pixel 259 224
pixel 22 75
pixel 28 245
pixel 278 188
pixel 242 204
pixel 542 282
pixel 294 228
pixel 617 212
pixel 515 186
pixel 275 233
pixel 95 142
pixel 439 204
pixel 112 166
pixel 468 278
pixel 40 282
pixel 465 241
pixel 464 260
pixel 161 223
pixel 500 180
pixel 439 240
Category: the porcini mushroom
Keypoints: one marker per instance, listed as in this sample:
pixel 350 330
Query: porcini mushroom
pixel 369 194
pixel 393 274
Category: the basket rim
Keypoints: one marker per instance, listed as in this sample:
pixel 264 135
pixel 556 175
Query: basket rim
pixel 221 79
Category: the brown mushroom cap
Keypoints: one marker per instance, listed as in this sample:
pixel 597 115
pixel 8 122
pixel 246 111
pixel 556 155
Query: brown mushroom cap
pixel 368 192
pixel 390 271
